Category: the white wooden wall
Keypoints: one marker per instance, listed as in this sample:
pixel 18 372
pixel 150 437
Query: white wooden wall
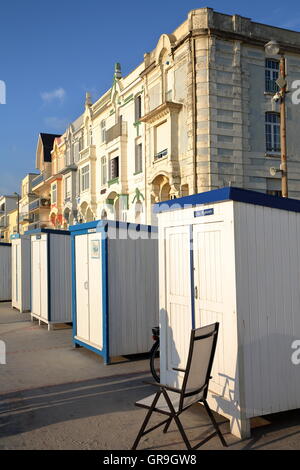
pixel 60 278
pixel 267 245
pixel 214 277
pixel 5 272
pixel 21 273
pixel 89 311
pixel 132 294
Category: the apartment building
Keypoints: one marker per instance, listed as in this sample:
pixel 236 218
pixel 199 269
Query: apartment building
pixel 7 205
pixel 26 198
pixel 42 185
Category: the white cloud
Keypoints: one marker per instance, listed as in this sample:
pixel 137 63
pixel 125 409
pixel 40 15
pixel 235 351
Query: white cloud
pixel 57 94
pixel 56 123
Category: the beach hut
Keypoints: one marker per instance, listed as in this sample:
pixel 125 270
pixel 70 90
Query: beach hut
pixel 115 287
pixel 233 256
pixel 5 272
pixel 50 276
pixel 21 272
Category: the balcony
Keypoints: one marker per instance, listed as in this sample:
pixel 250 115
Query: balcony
pixel 39 203
pixel 24 218
pixel 3 221
pixel 88 152
pixel 34 226
pixel 38 180
pixel 118 130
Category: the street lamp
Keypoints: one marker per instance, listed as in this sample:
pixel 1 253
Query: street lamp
pixel 18 219
pixel 273 48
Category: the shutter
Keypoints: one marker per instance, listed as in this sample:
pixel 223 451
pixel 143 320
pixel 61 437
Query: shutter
pixel 161 137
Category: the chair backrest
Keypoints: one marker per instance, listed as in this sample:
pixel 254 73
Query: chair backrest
pixel 199 364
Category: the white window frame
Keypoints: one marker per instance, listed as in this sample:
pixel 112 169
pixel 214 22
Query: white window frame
pixel 103 170
pixel 54 193
pixel 68 191
pixel 272 133
pixel 85 178
pixel 271 75
pixel 103 130
pixel 138 157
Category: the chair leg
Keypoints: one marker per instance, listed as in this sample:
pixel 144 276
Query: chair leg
pixel 214 422
pixel 181 430
pixel 145 422
pixel 167 425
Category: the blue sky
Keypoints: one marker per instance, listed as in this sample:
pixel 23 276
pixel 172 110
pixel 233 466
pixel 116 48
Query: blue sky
pixel 52 52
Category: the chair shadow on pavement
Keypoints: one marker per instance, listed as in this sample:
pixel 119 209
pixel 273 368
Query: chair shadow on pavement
pixel 96 399
pixel 101 398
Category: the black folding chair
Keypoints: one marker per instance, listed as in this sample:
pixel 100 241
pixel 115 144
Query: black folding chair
pixel 173 401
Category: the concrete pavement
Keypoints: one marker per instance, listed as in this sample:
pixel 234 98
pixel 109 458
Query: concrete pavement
pixel 53 396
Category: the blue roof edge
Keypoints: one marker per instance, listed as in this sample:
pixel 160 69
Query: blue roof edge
pixel 112 223
pixel 229 193
pixel 47 230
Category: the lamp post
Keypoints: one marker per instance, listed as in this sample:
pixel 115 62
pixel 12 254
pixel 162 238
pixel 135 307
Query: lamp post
pixel 273 48
pixel 18 216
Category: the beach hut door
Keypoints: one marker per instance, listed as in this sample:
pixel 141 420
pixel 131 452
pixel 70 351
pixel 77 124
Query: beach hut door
pixel 176 320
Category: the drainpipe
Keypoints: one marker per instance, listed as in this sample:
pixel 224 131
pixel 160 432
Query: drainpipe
pixel 194 113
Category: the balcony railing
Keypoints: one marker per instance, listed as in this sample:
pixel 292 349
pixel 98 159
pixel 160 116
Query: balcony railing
pixel 38 179
pixel 115 131
pixel 3 222
pixel 34 225
pixel 25 217
pixel 39 203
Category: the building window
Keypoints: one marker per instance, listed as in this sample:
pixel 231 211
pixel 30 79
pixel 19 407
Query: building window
pixel 138 158
pixel 271 75
pixel 114 168
pixel 81 143
pixel 54 194
pixel 161 141
pixel 103 130
pixel 137 108
pixel 68 187
pixel 85 178
pixel 272 127
pixel 274 187
pixel 103 170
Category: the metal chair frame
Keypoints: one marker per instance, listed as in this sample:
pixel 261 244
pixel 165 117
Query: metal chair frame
pixel 172 413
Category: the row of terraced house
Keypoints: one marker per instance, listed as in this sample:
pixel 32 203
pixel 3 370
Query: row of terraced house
pixel 195 115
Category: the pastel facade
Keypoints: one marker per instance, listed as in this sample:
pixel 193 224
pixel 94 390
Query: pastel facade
pixel 27 197
pixel 42 185
pixel 7 205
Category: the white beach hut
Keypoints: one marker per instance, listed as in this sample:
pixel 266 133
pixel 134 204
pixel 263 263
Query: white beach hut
pixel 21 272
pixel 5 272
pixel 50 276
pixel 115 287
pixel 233 256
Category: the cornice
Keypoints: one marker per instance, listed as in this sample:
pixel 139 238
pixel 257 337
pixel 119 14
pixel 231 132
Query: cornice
pixel 168 107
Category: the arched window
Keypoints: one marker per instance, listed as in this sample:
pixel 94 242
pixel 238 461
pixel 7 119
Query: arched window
pixel 272 130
